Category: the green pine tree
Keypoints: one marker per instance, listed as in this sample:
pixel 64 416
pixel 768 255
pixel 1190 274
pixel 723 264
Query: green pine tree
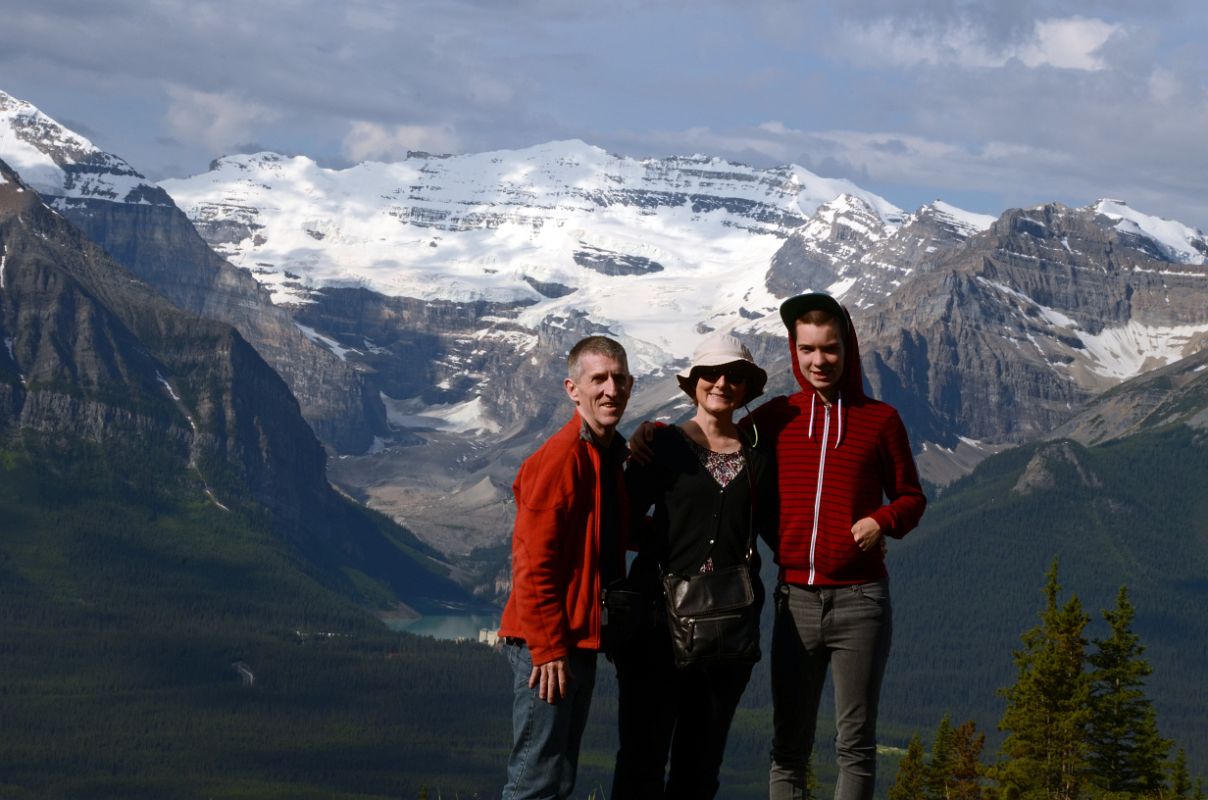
pixel 911 780
pixel 1126 752
pixel 939 766
pixel 1180 778
pixel 966 770
pixel 1044 752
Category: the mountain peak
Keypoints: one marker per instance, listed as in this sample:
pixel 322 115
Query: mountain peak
pixel 1179 243
pixel 60 163
pixel 967 222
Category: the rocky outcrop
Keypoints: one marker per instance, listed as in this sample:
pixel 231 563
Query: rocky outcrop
pixel 100 372
pixel 848 248
pixel 93 354
pixel 160 245
pixel 1013 331
pixel 137 223
pixel 1173 395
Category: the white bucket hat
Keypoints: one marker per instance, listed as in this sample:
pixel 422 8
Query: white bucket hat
pixel 719 351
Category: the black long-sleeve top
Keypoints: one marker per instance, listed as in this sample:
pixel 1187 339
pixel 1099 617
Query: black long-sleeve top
pixel 690 507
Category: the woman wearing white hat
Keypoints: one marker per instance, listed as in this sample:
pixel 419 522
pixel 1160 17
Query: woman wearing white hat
pixel 712 488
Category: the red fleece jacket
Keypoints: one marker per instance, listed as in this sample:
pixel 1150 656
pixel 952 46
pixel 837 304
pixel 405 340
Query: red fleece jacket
pixel 837 465
pixel 555 600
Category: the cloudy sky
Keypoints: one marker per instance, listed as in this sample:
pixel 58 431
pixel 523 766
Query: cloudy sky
pixel 987 104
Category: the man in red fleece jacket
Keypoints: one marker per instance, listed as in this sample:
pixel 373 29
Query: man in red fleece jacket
pixel 568 543
pixel 846 481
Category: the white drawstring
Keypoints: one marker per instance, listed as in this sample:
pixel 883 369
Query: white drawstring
pixel 838 413
pixel 839 438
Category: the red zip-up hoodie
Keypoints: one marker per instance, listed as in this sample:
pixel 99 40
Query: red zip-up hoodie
pixel 837 465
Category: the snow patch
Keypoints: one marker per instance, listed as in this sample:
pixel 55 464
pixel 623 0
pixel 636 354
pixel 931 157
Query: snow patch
pixel 467 417
pixel 1127 351
pixel 159 377
pixel 335 347
pixel 1121 352
pixel 965 221
pixel 1174 239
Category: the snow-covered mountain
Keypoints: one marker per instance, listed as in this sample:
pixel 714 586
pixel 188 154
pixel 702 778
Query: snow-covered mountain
pixel 460 281
pixel 137 223
pixel 450 287
pixel 565 228
pixel 61 164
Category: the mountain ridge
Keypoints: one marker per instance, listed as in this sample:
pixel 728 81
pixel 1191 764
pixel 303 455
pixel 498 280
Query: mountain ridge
pixel 138 224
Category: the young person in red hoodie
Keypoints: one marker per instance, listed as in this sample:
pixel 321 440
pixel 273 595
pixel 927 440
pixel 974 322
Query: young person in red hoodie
pixel 846 480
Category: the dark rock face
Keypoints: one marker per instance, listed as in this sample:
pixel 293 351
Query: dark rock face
pixel 991 342
pixel 138 224
pixel 92 353
pixel 549 288
pixel 609 263
pixel 437 350
pixel 96 362
pixel 160 245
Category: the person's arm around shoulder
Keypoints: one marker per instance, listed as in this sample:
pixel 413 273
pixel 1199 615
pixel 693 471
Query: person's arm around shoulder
pixel 641 443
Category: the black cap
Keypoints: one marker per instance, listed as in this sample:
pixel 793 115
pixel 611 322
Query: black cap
pixel 793 308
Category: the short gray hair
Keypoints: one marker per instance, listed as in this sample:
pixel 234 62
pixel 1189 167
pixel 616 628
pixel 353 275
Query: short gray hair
pixel 600 345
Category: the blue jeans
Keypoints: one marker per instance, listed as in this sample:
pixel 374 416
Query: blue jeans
pixel 545 737
pixel 849 628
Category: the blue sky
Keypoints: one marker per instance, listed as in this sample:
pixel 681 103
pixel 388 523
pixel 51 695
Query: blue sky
pixel 987 105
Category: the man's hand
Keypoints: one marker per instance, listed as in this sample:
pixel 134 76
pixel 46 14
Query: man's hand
pixel 867 533
pixel 639 443
pixel 552 679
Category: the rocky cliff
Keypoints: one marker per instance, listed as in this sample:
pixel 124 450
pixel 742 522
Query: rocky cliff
pixel 137 223
pixel 93 353
pixel 94 358
pixel 1008 334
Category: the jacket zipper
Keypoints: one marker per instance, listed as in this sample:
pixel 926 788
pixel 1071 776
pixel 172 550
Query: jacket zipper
pixel 818 488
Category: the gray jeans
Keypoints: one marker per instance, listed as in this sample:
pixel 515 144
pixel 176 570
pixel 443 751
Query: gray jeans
pixel 850 628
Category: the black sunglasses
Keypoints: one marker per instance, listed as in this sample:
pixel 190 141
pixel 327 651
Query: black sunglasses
pixel 735 376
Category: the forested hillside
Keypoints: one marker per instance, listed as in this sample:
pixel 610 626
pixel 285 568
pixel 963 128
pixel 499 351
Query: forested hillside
pixel 153 645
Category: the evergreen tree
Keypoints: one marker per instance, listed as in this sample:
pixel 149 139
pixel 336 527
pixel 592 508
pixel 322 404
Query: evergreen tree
pixel 939 767
pixel 912 773
pixel 1180 778
pixel 1044 752
pixel 965 778
pixel 1126 753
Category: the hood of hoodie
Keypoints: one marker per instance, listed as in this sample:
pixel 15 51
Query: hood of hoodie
pixel 851 382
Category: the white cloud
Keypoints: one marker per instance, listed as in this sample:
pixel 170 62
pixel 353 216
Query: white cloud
pixel 371 141
pixel 1163 86
pixel 1070 43
pixel 217 120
